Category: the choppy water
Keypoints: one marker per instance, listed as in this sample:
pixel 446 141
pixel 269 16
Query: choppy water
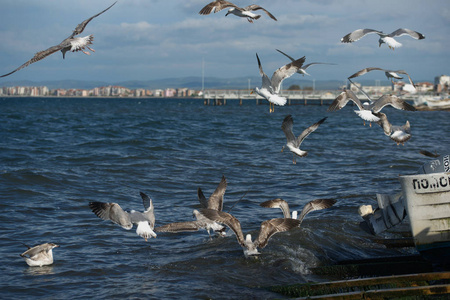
pixel 56 155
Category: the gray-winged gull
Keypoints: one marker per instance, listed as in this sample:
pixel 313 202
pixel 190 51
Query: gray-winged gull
pixel 267 230
pixel 270 88
pixel 40 255
pixel 292 142
pixel 384 38
pixel 145 221
pixel 72 43
pixel 399 134
pixel 302 70
pixel 243 12
pixel 390 74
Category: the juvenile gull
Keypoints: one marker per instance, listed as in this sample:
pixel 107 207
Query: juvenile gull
pixel 71 43
pixel 245 12
pixel 399 134
pixel 293 143
pixel 384 38
pixel 302 70
pixel 267 229
pixel 390 74
pixel 313 205
pixel 271 87
pixel 145 221
pixel 40 255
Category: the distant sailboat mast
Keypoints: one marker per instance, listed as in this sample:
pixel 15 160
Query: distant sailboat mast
pixel 203 76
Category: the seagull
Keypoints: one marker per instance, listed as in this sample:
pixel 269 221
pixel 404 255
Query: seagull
pixel 293 143
pixel 367 111
pixel 429 154
pixel 40 255
pixel 145 221
pixel 71 43
pixel 215 202
pixel 268 228
pixel 389 74
pixel 399 134
pixel 245 12
pixel 271 87
pixel 317 204
pixel 384 38
pixel 302 70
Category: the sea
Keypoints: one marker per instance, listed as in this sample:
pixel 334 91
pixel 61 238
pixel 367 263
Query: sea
pixel 59 154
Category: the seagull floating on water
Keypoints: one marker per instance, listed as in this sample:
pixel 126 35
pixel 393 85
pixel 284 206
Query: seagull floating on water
pixel 314 205
pixel 215 202
pixel 145 221
pixel 267 230
pixel 390 74
pixel 245 12
pixel 399 134
pixel 40 255
pixel 384 38
pixel 293 142
pixel 302 70
pixel 271 87
pixel 71 43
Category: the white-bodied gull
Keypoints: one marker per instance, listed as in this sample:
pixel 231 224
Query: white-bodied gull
pixel 40 255
pixel 270 88
pixel 267 230
pixel 302 70
pixel 390 74
pixel 243 12
pixel 71 43
pixel 384 37
pixel 399 134
pixel 145 221
pixel 293 142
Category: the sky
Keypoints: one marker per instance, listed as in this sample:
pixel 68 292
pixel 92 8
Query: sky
pixel 155 39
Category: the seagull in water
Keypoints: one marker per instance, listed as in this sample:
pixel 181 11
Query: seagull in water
pixel 40 255
pixel 384 38
pixel 317 204
pixel 390 74
pixel 71 43
pixel 145 221
pixel 215 202
pixel 368 111
pixel 245 12
pixel 267 229
pixel 293 142
pixel 399 134
pixel 271 87
pixel 302 70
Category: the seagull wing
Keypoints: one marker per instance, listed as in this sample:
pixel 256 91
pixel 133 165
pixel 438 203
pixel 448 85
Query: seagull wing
pixel 364 71
pixel 112 212
pixel 405 73
pixel 37 249
pixel 215 201
pixel 149 209
pixel 216 6
pixel 257 7
pixel 180 227
pixel 308 131
pixel 270 227
pixel 287 126
pixel 285 72
pixel 37 57
pixel 317 204
pixel 226 219
pixel 278 203
pixel 357 34
pixel 392 100
pixel 202 199
pixel 315 63
pixel 290 57
pixel 411 33
pixel 343 99
pixel 384 123
pixel 266 83
pixel 80 27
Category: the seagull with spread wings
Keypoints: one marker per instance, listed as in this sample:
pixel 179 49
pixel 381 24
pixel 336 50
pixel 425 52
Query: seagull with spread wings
pixel 384 38
pixel 40 255
pixel 243 12
pixel 302 70
pixel 71 43
pixel 399 134
pixel 390 74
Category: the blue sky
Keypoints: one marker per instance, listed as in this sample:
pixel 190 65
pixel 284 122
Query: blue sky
pixel 152 39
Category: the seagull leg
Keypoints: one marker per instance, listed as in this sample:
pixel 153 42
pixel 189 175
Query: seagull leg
pixel 90 49
pixel 85 52
pixel 293 160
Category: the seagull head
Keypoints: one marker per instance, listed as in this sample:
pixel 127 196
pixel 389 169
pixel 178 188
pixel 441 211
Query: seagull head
pixel 380 41
pixel 230 11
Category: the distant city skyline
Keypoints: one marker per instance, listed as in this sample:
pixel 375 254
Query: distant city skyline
pixel 148 40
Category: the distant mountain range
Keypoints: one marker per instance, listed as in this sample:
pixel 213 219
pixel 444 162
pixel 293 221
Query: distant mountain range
pixel 188 82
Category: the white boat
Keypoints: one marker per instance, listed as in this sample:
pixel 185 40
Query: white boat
pixel 433 102
pixel 427 201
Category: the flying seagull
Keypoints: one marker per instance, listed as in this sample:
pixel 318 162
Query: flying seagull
pixel 40 255
pixel 71 43
pixel 271 87
pixel 317 204
pixel 384 38
pixel 215 201
pixel 399 134
pixel 145 221
pixel 245 12
pixel 293 142
pixel 390 74
pixel 267 229
pixel 367 111
pixel 302 70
